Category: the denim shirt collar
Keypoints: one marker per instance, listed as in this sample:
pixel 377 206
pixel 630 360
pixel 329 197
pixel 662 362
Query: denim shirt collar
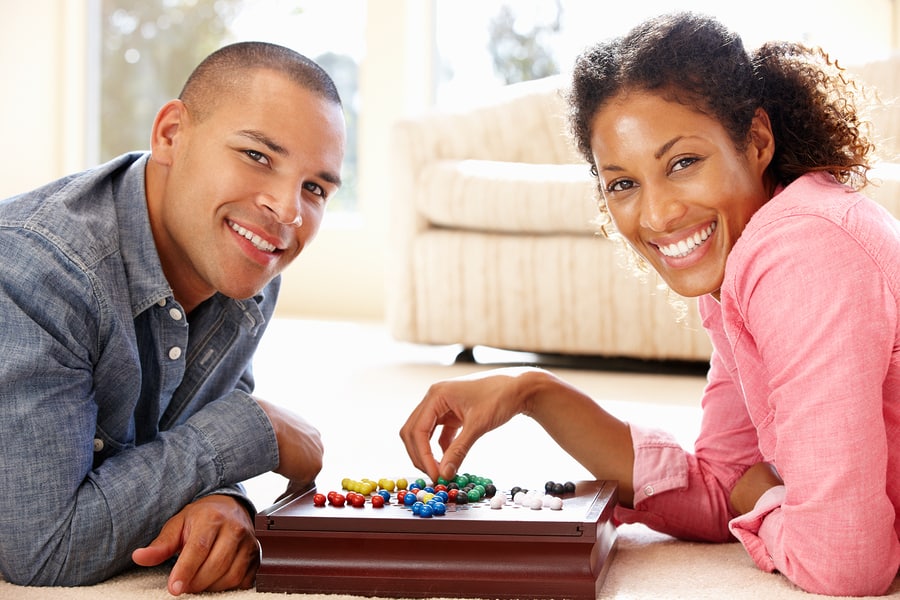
pixel 147 284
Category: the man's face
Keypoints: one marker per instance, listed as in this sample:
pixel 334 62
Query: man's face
pixel 245 187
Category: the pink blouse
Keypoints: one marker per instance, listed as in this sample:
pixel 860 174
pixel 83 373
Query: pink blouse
pixel 805 375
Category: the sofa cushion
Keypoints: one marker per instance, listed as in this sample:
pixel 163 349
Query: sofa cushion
pixel 508 197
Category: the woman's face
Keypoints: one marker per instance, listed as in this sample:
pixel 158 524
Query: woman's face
pixel 676 187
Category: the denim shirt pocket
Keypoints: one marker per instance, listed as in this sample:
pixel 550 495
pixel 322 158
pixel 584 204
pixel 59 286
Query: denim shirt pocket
pixel 106 446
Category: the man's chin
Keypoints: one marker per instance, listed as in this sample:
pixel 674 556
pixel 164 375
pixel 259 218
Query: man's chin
pixel 243 293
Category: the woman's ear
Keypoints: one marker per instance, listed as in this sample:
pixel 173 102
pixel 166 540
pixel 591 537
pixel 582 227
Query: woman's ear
pixel 170 121
pixel 762 141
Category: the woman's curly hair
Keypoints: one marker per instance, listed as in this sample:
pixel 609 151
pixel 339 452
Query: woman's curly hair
pixel 696 61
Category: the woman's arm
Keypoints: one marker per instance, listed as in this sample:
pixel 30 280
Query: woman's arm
pixel 466 408
pixel 821 320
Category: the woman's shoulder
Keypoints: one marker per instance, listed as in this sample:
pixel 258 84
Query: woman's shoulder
pixel 815 225
pixel 815 203
pixel 813 194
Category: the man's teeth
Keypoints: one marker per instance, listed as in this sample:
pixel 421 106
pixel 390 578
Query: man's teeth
pixel 254 239
pixel 688 245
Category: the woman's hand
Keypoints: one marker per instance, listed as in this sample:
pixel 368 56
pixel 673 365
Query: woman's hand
pixel 464 408
pixel 758 480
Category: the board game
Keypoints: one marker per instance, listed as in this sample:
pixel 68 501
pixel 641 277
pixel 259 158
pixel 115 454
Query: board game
pixel 471 551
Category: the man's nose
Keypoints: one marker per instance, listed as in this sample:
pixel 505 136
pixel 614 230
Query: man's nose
pixel 285 206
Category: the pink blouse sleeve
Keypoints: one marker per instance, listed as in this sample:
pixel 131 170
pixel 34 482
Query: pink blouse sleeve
pixel 687 494
pixel 814 321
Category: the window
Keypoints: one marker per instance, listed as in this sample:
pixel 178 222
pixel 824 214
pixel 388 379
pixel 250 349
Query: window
pixel 488 43
pixel 149 48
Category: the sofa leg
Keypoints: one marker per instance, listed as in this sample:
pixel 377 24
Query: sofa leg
pixel 466 355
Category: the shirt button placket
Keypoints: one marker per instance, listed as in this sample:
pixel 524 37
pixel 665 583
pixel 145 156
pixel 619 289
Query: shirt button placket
pixel 175 351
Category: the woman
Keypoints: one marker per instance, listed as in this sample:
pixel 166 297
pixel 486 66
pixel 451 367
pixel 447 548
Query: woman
pixel 733 177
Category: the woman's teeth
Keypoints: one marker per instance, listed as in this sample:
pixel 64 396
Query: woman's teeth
pixel 688 245
pixel 254 239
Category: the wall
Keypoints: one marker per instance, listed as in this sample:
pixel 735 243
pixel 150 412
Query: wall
pixel 341 275
pixel 43 105
pixel 45 116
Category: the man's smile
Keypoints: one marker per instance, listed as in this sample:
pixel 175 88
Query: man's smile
pixel 254 239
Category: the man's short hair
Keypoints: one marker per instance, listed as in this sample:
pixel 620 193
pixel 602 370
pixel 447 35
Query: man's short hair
pixel 225 71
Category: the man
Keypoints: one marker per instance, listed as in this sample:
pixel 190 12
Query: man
pixel 132 298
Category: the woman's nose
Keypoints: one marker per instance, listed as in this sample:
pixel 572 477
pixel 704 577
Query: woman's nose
pixel 659 210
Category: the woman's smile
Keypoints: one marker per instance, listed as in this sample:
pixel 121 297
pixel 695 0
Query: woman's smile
pixel 686 245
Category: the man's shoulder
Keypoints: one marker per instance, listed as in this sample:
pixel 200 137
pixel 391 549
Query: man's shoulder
pixel 76 213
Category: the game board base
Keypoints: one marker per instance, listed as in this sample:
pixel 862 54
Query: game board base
pixel 482 553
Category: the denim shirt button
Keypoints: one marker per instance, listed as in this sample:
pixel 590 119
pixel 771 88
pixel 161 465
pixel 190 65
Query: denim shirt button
pixel 174 352
pixel 98 444
pixel 161 302
pixel 175 314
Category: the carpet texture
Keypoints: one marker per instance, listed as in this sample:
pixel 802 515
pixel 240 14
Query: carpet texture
pixel 358 387
pixel 647 566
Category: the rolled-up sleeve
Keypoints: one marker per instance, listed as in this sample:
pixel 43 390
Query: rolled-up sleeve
pixel 660 464
pixel 687 494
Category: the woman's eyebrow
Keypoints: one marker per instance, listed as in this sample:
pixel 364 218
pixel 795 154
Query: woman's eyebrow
pixel 657 155
pixel 666 147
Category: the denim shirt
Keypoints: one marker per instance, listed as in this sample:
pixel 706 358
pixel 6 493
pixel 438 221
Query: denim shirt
pixel 116 410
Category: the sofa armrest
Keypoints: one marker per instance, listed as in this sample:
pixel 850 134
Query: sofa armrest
pixel 521 123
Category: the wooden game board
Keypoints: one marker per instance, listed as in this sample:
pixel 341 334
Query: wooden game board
pixel 473 551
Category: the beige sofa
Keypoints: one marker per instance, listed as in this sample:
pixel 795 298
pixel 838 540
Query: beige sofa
pixel 493 242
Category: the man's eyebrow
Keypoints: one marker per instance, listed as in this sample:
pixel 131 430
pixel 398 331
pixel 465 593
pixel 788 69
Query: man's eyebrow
pixel 265 140
pixel 277 148
pixel 331 178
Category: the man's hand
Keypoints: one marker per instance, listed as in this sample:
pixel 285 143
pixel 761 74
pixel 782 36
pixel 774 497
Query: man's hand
pixel 215 543
pixel 300 448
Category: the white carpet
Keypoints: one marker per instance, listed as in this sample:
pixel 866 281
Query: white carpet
pixel 647 566
pixel 358 387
